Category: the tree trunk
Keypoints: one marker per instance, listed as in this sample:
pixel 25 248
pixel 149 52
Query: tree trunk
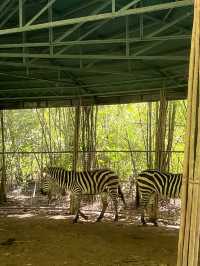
pixel 163 142
pixel 149 136
pixel 75 153
pixel 3 168
pixel 88 130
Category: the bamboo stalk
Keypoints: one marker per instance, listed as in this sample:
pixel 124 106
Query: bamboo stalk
pixel 186 155
pixel 190 228
pixel 194 234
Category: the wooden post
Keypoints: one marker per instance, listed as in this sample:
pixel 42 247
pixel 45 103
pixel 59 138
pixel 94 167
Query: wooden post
pixel 188 247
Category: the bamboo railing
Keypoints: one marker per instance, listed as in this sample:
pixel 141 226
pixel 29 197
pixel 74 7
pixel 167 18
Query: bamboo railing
pixel 188 247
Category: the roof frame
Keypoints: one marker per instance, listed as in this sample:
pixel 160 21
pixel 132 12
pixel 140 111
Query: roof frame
pixel 111 52
pixel 108 15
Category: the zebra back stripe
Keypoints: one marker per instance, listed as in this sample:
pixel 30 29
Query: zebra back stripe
pixel 88 182
pixel 167 185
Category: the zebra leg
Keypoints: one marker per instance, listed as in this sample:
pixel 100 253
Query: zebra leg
pixel 154 209
pixel 49 197
pixel 83 215
pixel 144 203
pixel 116 209
pixel 76 218
pixel 146 199
pixel 154 221
pixel 142 215
pixel 115 202
pixel 77 204
pixel 105 205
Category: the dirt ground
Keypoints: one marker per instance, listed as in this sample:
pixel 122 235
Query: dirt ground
pixel 49 241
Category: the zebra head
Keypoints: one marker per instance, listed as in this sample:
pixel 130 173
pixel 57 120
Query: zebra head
pixel 44 172
pixel 44 187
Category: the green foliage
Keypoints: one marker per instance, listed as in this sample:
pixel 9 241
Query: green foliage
pixel 120 129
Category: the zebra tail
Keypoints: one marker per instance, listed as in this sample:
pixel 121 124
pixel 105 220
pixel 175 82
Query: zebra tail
pixel 137 197
pixel 121 196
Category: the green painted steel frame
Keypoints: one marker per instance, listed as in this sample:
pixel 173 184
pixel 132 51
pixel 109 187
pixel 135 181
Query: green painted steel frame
pixel 102 52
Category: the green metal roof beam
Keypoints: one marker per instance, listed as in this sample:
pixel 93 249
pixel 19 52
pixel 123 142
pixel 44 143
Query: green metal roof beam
pixel 66 34
pixel 85 35
pixel 2 7
pixel 17 84
pixel 93 42
pixel 129 5
pixel 158 20
pixel 91 18
pixel 170 24
pixel 5 9
pixel 89 32
pixel 146 48
pixel 95 57
pixel 20 13
pixel 40 12
pixel 82 7
pixel 10 15
pixel 31 78
pixel 69 32
pixel 161 29
pixel 58 68
pixel 101 94
pixel 101 84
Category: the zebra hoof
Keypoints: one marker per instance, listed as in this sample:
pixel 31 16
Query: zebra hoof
pixel 143 221
pixel 85 217
pixel 153 221
pixel 98 220
pixel 126 207
pixel 75 221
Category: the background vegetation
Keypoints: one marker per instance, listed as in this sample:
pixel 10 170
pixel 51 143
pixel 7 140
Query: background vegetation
pixel 120 138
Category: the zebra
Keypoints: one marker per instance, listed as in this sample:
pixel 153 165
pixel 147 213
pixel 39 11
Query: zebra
pixel 150 183
pixel 51 189
pixel 99 181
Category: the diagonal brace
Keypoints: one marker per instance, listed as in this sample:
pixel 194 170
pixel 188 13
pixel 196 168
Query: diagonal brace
pixel 40 12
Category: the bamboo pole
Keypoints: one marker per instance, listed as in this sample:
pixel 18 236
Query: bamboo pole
pixel 189 234
pixel 3 168
pixel 75 153
pixel 149 136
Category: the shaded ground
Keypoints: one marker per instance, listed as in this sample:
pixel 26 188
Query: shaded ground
pixel 34 233
pixel 42 241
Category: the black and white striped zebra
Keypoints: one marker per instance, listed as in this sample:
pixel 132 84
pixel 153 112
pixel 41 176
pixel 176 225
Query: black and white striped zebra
pixel 51 189
pixel 150 183
pixel 100 181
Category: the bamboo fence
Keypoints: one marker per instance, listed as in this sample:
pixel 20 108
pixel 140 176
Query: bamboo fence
pixel 188 247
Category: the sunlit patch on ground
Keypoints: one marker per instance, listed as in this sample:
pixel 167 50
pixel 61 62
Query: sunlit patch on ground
pixel 23 206
pixel 60 217
pixel 21 216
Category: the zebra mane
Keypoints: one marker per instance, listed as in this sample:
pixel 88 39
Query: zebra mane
pixel 93 170
pixel 54 167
